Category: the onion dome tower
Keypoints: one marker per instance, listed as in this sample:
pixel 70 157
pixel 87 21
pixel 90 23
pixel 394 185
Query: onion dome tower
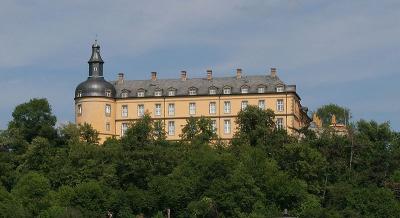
pixel 95 98
pixel 95 85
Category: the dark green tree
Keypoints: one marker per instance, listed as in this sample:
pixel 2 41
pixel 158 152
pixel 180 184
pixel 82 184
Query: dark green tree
pixel 325 113
pixel 88 134
pixel 33 119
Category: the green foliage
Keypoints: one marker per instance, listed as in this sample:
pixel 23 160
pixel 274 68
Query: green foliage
pixel 325 113
pixel 33 119
pixel 258 174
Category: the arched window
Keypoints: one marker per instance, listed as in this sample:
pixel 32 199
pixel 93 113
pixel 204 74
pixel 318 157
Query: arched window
pixel 108 93
pixel 79 94
pixel 124 93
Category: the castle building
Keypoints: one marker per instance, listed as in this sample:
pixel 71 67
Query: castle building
pixel 110 106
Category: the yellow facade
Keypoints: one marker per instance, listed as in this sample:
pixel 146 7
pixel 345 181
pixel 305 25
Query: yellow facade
pixel 93 111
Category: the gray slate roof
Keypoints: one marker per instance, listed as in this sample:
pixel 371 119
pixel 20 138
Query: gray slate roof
pixel 201 84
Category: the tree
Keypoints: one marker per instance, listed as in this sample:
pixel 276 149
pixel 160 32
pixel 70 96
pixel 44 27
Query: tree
pixel 88 134
pixel 255 124
pixel 33 119
pixel 10 206
pixel 198 130
pixel 139 134
pixel 326 112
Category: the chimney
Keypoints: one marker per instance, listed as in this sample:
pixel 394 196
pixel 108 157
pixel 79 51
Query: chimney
pixel 238 73
pixel 273 72
pixel 209 74
pixel 120 78
pixel 153 76
pixel 183 75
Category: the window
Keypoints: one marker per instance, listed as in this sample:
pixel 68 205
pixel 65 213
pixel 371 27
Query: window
pixel 124 94
pixel 279 105
pixel 124 111
pixel 108 110
pixel 192 91
pixel 227 90
pixel 261 90
pixel 157 93
pixel 279 123
pixel 227 126
pixel 140 110
pixel 214 126
pixel 244 104
pixel 108 93
pixel 192 108
pixel 140 94
pixel 212 108
pixel 261 104
pixel 171 109
pixel 227 107
pixel 157 111
pixel 171 128
pixel 244 89
pixel 124 127
pixel 212 91
pixel 108 127
pixel 95 69
pixel 79 94
pixel 171 92
pixel 279 89
pixel 79 110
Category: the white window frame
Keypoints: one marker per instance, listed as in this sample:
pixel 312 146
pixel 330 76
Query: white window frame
pixel 244 90
pixel 107 110
pixel 108 93
pixel 79 94
pixel 124 94
pixel 192 108
pixel 227 90
pixel 171 128
pixel 227 107
pixel 124 127
pixel 212 107
pixel 261 104
pixel 171 109
pixel 214 126
pixel 212 91
pixel 79 109
pixel 279 89
pixel 279 123
pixel 124 111
pixel 140 110
pixel 261 89
pixel 157 109
pixel 227 127
pixel 192 91
pixel 140 94
pixel 244 104
pixel 280 106
pixel 157 93
pixel 171 92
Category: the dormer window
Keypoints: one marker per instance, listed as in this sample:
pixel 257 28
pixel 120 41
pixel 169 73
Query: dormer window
pixel 261 89
pixel 158 92
pixel 227 90
pixel 279 89
pixel 140 93
pixel 192 91
pixel 79 94
pixel 108 93
pixel 212 91
pixel 244 89
pixel 171 92
pixel 124 94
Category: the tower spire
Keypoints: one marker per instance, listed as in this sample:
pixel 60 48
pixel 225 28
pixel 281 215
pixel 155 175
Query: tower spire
pixel 96 62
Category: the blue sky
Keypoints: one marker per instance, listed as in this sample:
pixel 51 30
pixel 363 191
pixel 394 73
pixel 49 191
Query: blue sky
pixel 343 52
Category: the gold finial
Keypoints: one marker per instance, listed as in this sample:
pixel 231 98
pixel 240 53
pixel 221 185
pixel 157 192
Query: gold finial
pixel 333 120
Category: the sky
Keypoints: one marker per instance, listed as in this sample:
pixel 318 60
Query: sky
pixel 343 52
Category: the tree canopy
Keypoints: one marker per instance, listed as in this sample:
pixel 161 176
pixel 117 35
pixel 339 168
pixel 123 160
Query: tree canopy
pixel 261 172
